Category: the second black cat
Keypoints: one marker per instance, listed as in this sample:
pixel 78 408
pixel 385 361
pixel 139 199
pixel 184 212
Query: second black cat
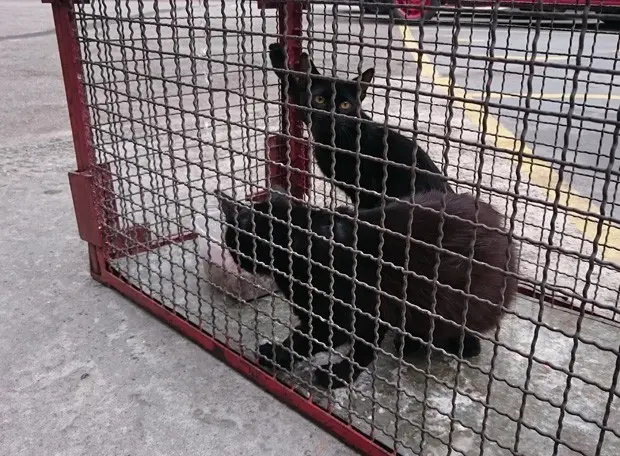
pixel 313 91
pixel 290 240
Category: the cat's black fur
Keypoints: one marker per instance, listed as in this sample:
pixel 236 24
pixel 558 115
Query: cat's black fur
pixel 263 248
pixel 400 149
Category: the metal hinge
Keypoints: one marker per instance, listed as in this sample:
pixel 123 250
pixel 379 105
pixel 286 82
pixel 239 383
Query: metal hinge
pixel 85 207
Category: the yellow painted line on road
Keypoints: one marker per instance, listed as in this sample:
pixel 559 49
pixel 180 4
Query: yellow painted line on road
pixel 539 172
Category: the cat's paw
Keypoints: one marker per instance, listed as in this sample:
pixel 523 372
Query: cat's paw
pixel 341 375
pixel 265 357
pixel 471 346
pixel 268 352
pixel 411 346
pixel 321 379
pixel 277 55
pixel 342 209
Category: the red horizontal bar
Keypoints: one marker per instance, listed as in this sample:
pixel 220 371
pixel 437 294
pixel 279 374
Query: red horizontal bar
pixel 332 423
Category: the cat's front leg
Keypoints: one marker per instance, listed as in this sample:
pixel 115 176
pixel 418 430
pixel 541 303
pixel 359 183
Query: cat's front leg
pixel 409 344
pixel 471 345
pixel 348 370
pixel 342 209
pixel 296 347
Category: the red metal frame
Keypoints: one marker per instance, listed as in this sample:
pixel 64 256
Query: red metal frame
pixel 94 204
pixel 290 22
pixel 285 393
pixel 84 199
pixel 91 183
pixel 91 193
pixel 280 171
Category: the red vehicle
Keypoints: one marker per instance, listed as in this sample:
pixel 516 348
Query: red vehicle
pixel 416 10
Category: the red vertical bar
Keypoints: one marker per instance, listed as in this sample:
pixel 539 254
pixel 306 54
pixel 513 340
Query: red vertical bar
pixel 290 17
pixel 69 51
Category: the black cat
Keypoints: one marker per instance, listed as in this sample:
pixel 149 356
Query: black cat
pixel 259 239
pixel 341 165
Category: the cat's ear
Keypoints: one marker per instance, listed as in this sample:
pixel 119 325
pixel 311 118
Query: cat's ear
pixel 305 66
pixel 365 80
pixel 277 55
pixel 313 68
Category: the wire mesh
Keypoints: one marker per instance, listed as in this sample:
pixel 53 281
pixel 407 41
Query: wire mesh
pixel 515 102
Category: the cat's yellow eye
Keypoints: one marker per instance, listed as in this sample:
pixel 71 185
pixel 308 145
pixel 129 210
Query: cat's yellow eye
pixel 345 105
pixel 319 99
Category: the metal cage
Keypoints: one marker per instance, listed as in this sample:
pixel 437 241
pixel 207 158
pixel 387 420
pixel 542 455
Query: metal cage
pixel 516 102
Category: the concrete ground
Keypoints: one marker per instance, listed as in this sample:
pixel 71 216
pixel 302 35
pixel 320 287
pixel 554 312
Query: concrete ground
pixel 521 405
pixel 82 370
pixel 86 372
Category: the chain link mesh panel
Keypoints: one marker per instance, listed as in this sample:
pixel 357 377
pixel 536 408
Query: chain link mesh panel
pixel 517 105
